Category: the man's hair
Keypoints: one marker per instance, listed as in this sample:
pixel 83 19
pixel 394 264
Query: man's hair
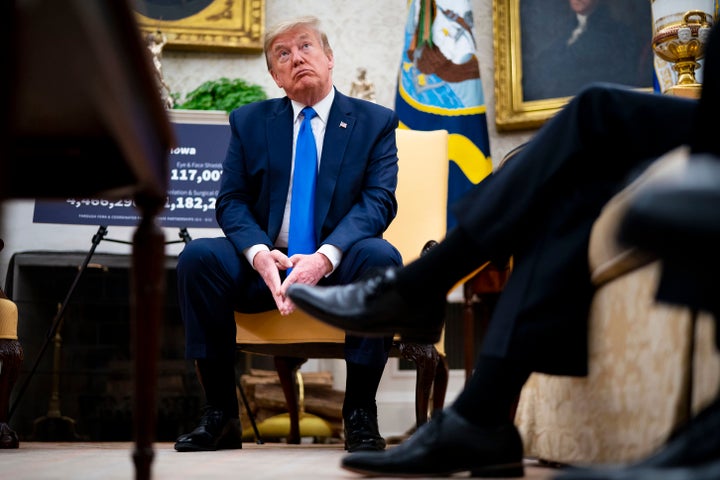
pixel 313 23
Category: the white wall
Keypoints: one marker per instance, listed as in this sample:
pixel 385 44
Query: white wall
pixel 363 34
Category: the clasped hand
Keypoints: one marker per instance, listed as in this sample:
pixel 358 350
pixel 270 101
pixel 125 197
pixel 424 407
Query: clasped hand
pixel 306 269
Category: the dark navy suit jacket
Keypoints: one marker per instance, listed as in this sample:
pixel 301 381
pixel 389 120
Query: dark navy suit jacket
pixel 356 181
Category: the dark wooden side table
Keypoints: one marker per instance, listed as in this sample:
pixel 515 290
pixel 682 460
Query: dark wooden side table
pixel 85 119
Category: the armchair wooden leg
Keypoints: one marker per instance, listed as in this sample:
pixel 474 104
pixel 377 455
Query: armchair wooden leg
pixel 287 368
pixel 426 359
pixel 11 357
pixel 147 303
pixel 442 375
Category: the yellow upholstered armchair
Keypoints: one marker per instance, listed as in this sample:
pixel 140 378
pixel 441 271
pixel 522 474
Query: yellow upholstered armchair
pixel 422 215
pixel 11 358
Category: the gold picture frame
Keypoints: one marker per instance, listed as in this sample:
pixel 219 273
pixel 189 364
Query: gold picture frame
pixel 221 26
pixel 512 110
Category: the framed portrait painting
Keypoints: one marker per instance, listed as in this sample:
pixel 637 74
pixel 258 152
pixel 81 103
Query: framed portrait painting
pixel 546 51
pixel 210 25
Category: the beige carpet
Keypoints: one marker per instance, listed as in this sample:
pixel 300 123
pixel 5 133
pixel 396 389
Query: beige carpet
pixel 109 461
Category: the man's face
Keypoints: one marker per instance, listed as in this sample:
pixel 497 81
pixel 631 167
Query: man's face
pixel 300 66
pixel 583 7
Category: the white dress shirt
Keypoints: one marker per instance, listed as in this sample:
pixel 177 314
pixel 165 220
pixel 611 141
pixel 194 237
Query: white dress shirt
pixel 318 123
pixel 582 24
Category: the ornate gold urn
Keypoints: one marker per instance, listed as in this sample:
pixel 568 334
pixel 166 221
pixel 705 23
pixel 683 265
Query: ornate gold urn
pixel 680 39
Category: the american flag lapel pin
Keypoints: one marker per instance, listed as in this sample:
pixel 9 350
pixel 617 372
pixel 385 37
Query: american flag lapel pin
pixel 343 125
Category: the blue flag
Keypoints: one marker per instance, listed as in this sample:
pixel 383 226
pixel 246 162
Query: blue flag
pixel 439 87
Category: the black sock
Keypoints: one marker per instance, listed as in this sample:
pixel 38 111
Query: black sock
pixel 218 382
pixel 361 387
pixel 437 271
pixel 490 394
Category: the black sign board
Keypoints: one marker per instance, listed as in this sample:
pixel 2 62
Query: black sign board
pixel 195 166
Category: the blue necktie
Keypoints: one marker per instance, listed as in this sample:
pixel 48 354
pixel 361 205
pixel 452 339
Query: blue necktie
pixel 301 238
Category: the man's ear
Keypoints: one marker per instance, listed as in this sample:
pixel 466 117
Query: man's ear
pixel 276 78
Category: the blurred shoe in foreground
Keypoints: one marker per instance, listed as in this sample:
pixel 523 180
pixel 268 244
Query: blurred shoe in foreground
pixel 446 445
pixel 709 471
pixel 372 306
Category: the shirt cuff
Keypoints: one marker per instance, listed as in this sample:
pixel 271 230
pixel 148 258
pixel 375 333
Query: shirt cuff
pixel 333 254
pixel 250 252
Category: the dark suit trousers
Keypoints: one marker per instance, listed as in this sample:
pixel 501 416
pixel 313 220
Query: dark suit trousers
pixel 540 208
pixel 214 280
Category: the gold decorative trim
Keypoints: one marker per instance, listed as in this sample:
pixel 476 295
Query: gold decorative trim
pixel 224 25
pixel 511 112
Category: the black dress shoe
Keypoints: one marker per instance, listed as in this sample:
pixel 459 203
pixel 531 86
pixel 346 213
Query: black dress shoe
pixel 693 444
pixel 8 437
pixel 215 432
pixel 372 307
pixel 707 471
pixel 446 445
pixel 362 432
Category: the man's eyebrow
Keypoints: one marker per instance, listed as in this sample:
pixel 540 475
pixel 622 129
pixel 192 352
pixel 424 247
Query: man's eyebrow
pixel 278 45
pixel 283 44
